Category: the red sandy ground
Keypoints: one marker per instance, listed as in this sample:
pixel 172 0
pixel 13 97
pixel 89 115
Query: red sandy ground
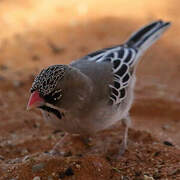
pixel 34 35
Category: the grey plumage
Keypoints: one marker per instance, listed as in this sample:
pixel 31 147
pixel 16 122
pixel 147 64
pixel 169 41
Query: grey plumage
pixel 96 91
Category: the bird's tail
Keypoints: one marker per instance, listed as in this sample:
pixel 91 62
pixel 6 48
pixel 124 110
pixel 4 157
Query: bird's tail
pixel 146 36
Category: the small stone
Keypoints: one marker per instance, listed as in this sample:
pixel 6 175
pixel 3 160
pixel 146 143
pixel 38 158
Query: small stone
pixel 175 172
pixel 26 158
pixel 24 152
pixel 56 131
pixel 1 158
pixel 69 172
pixel 61 175
pixel 53 174
pixel 166 127
pixel 137 173
pixel 77 166
pixel 38 167
pixel 125 178
pixel 168 143
pixel 37 178
pixel 14 161
pixel 9 143
pixel 36 125
pixel 68 154
pixel 50 177
pixel 79 155
pixel 32 159
pixel 2 78
pixel 17 83
pixel 157 153
pixel 148 178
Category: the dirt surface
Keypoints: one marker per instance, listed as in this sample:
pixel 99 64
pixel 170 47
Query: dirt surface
pixel 35 34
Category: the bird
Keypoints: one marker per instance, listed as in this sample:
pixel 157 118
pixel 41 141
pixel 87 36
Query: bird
pixel 96 91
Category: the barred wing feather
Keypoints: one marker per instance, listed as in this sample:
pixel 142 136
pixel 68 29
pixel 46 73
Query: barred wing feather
pixel 122 59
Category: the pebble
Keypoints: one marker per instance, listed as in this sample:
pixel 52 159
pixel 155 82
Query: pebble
pixel 37 178
pixel 36 125
pixel 17 83
pixel 56 131
pixel 67 154
pixel 69 172
pixel 77 166
pixel 26 158
pixel 53 174
pixel 125 178
pixel 24 152
pixel 1 157
pixel 168 143
pixel 38 167
pixel 14 161
pixel 148 178
pixel 50 177
pixel 166 127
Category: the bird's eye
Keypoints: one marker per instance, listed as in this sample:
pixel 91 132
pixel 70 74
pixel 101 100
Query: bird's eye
pixel 56 95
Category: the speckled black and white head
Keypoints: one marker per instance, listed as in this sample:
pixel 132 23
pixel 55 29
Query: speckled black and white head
pixel 46 81
pixel 45 92
pixel 45 84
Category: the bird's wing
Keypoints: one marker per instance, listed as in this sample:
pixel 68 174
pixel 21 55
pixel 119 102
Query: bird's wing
pixel 122 60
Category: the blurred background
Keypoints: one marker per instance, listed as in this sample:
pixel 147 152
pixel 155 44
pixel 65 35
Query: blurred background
pixel 35 34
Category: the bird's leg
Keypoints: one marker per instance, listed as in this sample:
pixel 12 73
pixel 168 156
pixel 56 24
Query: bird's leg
pixel 126 123
pixel 58 146
pixel 71 143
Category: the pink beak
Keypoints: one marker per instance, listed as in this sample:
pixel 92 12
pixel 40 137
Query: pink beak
pixel 35 101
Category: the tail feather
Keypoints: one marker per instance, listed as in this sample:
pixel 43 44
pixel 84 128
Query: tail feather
pixel 147 35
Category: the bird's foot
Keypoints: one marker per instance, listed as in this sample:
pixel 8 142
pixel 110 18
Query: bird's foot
pixel 123 148
pixel 59 147
pixel 71 144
